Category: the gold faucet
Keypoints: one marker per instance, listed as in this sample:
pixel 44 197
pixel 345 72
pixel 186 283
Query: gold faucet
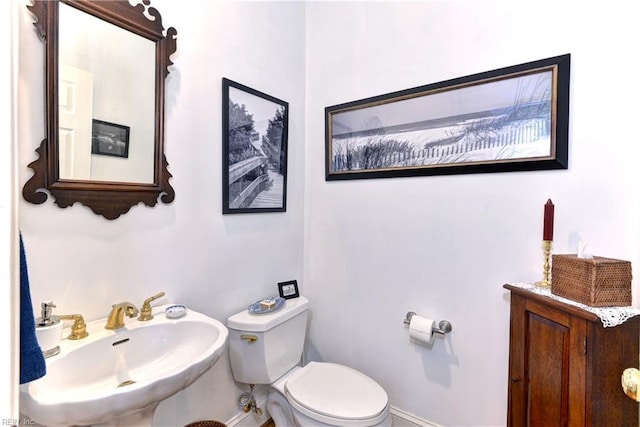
pixel 79 327
pixel 145 310
pixel 116 317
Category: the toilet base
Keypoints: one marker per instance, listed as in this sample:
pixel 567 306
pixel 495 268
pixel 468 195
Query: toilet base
pixel 279 409
pixel 304 421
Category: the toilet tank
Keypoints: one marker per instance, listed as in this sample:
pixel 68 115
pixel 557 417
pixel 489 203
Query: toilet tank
pixel 263 347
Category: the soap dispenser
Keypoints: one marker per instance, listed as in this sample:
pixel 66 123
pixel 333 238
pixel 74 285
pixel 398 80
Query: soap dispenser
pixel 48 330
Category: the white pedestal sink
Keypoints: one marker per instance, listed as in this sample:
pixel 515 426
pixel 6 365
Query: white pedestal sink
pixel 118 378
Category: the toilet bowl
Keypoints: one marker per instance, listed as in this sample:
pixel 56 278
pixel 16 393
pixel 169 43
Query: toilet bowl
pixel 328 394
pixel 266 348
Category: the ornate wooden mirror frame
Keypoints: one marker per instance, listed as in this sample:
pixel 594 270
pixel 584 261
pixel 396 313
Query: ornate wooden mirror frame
pixel 107 198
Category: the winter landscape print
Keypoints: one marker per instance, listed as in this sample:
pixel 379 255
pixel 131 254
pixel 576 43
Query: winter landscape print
pixel 485 123
pixel 255 150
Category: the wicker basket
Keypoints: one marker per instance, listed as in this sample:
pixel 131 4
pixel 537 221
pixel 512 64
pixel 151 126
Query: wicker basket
pixel 597 282
pixel 206 423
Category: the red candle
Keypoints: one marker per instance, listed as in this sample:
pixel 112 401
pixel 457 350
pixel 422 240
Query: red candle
pixel 547 232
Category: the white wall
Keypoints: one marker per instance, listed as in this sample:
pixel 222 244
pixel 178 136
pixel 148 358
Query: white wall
pixel 213 263
pixel 444 246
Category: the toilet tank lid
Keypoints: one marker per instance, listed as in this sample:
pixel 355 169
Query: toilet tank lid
pixel 250 322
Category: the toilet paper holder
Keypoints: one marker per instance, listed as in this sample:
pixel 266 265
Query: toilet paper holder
pixel 444 326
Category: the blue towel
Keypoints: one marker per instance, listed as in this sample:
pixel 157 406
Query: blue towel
pixel 32 365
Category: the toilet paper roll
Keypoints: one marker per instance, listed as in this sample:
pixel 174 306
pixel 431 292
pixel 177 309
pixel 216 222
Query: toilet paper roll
pixel 421 329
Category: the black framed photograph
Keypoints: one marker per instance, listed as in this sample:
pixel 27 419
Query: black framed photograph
pixel 254 145
pixel 288 289
pixel 109 139
pixel 510 119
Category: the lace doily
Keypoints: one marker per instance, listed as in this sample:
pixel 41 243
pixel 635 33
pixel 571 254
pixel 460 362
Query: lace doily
pixel 609 316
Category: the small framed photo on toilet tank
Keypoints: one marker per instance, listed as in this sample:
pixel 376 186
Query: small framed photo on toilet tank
pixel 288 289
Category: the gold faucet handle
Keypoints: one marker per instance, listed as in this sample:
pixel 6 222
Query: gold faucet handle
pixel 130 310
pixel 79 327
pixel 145 310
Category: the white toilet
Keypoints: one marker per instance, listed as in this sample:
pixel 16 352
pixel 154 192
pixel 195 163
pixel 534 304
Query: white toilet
pixel 267 348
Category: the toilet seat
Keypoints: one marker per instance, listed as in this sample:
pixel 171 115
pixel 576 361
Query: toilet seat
pixel 336 394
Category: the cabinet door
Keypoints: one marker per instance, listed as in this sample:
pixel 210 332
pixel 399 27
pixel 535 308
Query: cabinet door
pixel 547 366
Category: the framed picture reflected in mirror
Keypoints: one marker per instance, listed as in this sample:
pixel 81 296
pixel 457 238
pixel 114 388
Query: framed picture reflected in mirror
pixel 109 139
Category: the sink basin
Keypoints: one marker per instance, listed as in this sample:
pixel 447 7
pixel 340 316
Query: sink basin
pixel 120 376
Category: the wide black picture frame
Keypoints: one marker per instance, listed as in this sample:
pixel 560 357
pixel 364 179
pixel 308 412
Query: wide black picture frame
pixel 254 150
pixel 288 289
pixel 109 139
pixel 509 119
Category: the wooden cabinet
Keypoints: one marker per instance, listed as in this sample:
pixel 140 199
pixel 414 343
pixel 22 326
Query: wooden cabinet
pixel 565 367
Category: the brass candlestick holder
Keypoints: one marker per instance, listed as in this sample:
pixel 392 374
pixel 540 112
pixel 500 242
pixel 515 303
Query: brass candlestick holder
pixel 546 267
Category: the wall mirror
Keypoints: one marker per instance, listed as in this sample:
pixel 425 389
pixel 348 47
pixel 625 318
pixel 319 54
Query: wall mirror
pixel 106 63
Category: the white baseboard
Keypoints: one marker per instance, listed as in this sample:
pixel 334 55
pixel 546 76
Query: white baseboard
pixel 251 419
pixel 404 419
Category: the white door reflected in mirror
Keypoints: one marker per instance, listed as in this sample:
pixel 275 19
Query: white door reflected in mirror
pixel 75 109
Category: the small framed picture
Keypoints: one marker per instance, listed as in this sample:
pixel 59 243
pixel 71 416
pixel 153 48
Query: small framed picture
pixel 288 289
pixel 109 139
